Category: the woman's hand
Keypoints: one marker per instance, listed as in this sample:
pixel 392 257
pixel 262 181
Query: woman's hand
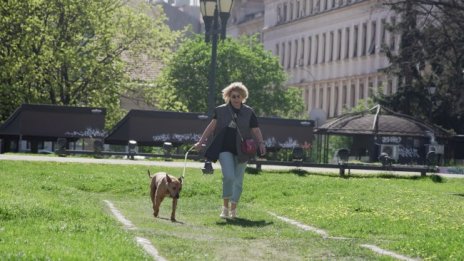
pixel 262 149
pixel 199 146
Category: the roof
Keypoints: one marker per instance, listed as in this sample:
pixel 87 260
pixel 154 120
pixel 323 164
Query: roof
pixel 52 121
pixel 382 122
pixel 153 128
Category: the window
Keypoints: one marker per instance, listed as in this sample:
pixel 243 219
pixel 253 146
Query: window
pixel 339 47
pixel 364 39
pixel 285 13
pixel 295 60
pixel 277 50
pixel 297 9
pixel 306 98
pixel 313 104
pixel 309 51
pixel 347 43
pixel 345 96
pixel 324 42
pixel 317 8
pixel 291 11
pixel 380 86
pixel 303 8
pixel 279 14
pixel 302 53
pixel 289 54
pixel 316 51
pixel 355 42
pixel 361 91
pixel 373 38
pixel 390 87
pixel 353 96
pixel 331 46
pixel 283 56
pixel 321 98
pixel 328 100
pixel 392 35
pixel 370 91
pixel 383 32
pixel 336 104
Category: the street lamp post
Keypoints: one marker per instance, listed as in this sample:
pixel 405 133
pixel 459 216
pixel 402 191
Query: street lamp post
pixel 212 11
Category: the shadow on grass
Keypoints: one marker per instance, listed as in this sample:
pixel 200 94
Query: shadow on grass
pixel 243 222
pixel 168 219
pixel 253 171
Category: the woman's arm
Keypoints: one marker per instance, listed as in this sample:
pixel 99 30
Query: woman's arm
pixel 259 137
pixel 206 134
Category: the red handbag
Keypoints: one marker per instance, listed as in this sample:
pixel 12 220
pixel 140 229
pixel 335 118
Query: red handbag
pixel 248 146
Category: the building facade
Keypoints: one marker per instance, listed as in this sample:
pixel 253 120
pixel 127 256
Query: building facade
pixel 332 49
pixel 246 18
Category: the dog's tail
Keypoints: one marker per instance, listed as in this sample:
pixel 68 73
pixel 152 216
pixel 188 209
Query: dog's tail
pixel 149 174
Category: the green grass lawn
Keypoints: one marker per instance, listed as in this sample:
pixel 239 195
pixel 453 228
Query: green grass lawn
pixel 56 211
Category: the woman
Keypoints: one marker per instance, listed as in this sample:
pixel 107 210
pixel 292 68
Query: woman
pixel 225 144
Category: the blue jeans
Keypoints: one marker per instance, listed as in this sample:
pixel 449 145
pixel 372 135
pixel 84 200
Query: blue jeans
pixel 232 176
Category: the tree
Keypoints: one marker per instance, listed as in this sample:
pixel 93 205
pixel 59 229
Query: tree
pixel 431 54
pixel 69 52
pixel 183 85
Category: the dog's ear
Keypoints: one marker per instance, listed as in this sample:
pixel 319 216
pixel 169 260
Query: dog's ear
pixel 168 178
pixel 181 179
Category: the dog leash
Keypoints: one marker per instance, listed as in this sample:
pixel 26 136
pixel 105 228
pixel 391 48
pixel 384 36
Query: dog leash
pixel 185 161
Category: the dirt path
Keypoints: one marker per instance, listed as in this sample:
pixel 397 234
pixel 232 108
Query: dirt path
pixel 190 164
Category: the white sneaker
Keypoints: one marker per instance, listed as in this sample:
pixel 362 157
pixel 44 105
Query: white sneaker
pixel 224 213
pixel 233 213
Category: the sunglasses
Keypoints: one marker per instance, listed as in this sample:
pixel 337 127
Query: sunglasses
pixel 235 96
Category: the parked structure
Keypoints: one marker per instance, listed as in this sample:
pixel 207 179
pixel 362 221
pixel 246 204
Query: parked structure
pixel 34 127
pixel 402 138
pixel 41 127
pixel 154 128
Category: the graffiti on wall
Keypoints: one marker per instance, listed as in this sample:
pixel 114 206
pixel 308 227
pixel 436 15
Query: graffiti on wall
pixel 175 137
pixel 408 152
pixel 391 139
pixel 87 133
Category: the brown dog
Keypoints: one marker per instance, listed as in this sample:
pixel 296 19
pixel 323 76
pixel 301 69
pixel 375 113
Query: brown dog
pixel 163 185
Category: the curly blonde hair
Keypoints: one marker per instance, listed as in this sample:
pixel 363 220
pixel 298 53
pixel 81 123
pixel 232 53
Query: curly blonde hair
pixel 235 87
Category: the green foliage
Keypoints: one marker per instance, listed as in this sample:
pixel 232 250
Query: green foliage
pixel 183 85
pixel 71 52
pixel 431 54
pixel 339 142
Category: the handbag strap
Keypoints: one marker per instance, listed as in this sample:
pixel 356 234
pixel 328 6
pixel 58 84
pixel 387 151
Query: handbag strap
pixel 234 116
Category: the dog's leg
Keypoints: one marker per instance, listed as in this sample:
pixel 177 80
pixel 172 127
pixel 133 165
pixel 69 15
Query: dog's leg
pixel 157 204
pixel 153 190
pixel 174 206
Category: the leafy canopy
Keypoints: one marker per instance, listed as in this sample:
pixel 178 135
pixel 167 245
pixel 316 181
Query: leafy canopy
pixel 431 54
pixel 183 85
pixel 71 52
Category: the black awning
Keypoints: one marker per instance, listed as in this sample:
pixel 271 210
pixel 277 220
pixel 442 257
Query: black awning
pixel 153 128
pixel 48 122
pixel 286 133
